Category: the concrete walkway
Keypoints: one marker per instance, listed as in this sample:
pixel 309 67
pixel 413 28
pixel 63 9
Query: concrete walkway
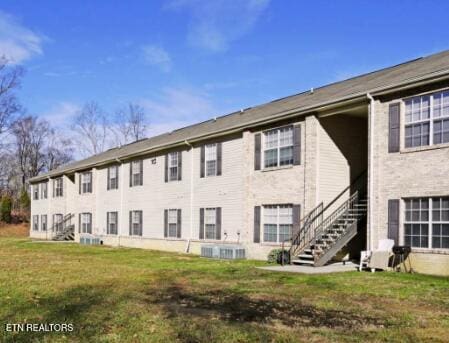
pixel 331 268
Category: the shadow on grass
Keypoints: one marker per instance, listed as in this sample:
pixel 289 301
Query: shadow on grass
pixel 242 309
pixel 73 305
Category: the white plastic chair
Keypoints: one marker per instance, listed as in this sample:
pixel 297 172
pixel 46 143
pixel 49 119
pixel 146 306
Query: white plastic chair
pixel 385 245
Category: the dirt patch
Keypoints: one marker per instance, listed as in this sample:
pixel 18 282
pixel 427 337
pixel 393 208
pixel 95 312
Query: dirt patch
pixel 14 230
pixel 239 308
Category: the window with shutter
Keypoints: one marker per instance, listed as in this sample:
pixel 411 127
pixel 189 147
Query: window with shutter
pixel 113 177
pixel 277 223
pixel 278 147
pixel 44 222
pixel 112 223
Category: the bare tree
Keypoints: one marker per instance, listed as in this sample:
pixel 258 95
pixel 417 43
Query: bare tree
pixel 59 150
pixel 9 106
pixel 131 124
pixel 90 127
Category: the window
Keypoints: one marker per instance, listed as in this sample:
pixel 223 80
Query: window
pixel 57 222
pixel 278 147
pixel 112 223
pixel 86 183
pixel 113 177
pixel 58 187
pixel 210 223
pixel 136 173
pixel 44 222
pixel 172 223
pixel 427 120
pixel 44 186
pixel 277 223
pixel 36 192
pixel 425 228
pixel 173 161
pixel 135 222
pixel 35 223
pixel 211 159
pixel 86 222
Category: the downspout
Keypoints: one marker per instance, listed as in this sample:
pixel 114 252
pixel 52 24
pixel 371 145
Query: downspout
pixel 370 228
pixel 122 186
pixel 187 248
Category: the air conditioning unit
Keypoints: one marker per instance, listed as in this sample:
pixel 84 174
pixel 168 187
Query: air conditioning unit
pixel 227 252
pixel 88 240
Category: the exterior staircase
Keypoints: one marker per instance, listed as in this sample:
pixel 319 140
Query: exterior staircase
pixel 68 231
pixel 318 240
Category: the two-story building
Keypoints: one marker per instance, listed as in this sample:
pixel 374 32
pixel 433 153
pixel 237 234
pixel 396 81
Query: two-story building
pixel 343 165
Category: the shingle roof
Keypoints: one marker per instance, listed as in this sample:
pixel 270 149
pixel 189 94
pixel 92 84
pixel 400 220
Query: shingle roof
pixel 332 93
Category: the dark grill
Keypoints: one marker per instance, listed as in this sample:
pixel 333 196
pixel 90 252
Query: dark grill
pixel 401 250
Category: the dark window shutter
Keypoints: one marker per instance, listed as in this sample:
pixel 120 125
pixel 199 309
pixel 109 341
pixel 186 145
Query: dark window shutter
pixel 257 224
pixel 109 180
pixel 297 145
pixel 201 223
pixel 180 165
pixel 257 150
pixel 394 127
pixel 140 223
pixel 79 222
pixel 141 172
pixel 202 159
pixel 393 220
pixel 107 223
pixel 130 223
pixel 179 226
pixel 218 223
pixel 91 182
pixel 130 173
pixel 165 223
pixel 79 179
pixel 166 168
pixel 219 158
pixel 296 219
pixel 117 173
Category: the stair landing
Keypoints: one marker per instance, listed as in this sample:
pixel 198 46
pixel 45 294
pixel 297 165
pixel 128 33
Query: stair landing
pixel 330 268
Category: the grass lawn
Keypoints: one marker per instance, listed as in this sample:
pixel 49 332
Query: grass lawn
pixel 132 295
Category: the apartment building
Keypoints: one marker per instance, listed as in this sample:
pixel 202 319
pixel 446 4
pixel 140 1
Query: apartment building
pixel 335 168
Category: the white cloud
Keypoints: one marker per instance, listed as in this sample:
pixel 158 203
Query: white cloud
pixel 61 114
pixel 216 24
pixel 18 43
pixel 174 108
pixel 157 56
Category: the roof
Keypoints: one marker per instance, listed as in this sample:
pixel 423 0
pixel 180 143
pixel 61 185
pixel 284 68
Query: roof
pixel 330 94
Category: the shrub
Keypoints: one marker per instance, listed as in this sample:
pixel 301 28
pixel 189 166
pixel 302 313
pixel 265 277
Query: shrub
pixel 276 256
pixel 5 209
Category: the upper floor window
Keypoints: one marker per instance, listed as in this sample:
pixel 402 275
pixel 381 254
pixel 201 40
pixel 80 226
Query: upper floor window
pixel 36 192
pixel 57 222
pixel 277 223
pixel 86 183
pixel 426 223
pixel 112 223
pixel 113 177
pixel 173 166
pixel 35 223
pixel 278 147
pixel 85 223
pixel 44 222
pixel 136 173
pixel 58 187
pixel 135 223
pixel 427 120
pixel 211 159
pixel 44 190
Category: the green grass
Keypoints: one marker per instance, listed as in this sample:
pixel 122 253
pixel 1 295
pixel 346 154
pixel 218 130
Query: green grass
pixel 132 295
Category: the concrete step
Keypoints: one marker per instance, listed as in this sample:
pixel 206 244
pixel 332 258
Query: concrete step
pixel 305 262
pixel 305 257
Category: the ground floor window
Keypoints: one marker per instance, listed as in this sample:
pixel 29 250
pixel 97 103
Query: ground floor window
pixel 210 223
pixel 172 223
pixel 135 223
pixel 86 222
pixel 35 223
pixel 57 222
pixel 44 222
pixel 277 223
pixel 426 223
pixel 112 223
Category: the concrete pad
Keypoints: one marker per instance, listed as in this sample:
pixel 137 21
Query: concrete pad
pixel 331 268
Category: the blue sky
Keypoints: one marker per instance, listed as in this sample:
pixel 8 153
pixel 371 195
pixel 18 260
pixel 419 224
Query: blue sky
pixel 189 60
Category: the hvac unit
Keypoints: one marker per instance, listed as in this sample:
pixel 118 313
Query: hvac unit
pixel 90 240
pixel 227 252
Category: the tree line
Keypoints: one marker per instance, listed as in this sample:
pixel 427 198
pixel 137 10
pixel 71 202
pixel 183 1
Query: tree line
pixel 31 145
